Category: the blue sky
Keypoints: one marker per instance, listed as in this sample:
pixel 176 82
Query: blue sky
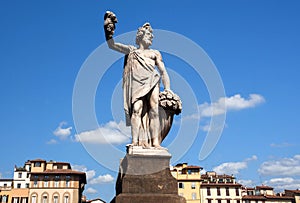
pixel 254 45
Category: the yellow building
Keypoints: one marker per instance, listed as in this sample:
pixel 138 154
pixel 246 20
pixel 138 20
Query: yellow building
pixel 189 180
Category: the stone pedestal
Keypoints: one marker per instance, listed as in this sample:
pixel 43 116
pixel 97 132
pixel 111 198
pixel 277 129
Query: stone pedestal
pixel 145 176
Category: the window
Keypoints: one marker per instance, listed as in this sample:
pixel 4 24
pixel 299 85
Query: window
pixel 45 199
pixel 33 199
pixel 218 192
pixel 15 200
pixel 208 191
pixel 37 164
pixel 68 177
pixel 67 183
pixel 227 192
pixel 27 176
pixel 221 180
pixel 56 183
pixel 19 175
pixel 24 200
pixel 194 195
pixel 237 191
pixel 19 185
pixel 208 200
pixel 228 201
pixel 180 185
pixel 27 185
pixel 57 177
pixel 55 199
pixel 36 177
pixel 35 183
pixel 4 198
pixel 46 177
pixel 46 183
pixel 238 201
pixel 66 199
pixel 193 185
pixel 219 201
pixel 5 185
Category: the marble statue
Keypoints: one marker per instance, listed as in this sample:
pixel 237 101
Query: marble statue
pixel 148 111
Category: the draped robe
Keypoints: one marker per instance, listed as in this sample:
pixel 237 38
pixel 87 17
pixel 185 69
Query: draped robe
pixel 139 79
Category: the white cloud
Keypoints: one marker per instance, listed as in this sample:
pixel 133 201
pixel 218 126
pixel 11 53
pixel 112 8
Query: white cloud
pixel 89 173
pixel 102 179
pixel 91 191
pixel 111 132
pixel 52 141
pixel 230 167
pixel 61 132
pixel 233 103
pixel 281 184
pixel 281 145
pixel 281 167
pixel 247 183
pixel 233 167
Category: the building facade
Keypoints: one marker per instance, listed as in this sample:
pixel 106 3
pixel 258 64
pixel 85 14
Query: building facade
pixel 264 194
pixel 205 188
pixel 5 190
pixel 40 181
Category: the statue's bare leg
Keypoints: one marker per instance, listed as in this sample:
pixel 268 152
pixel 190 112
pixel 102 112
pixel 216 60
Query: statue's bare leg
pixel 136 121
pixel 154 117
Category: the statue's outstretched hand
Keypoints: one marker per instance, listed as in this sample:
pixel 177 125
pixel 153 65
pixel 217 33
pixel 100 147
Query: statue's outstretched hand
pixel 110 20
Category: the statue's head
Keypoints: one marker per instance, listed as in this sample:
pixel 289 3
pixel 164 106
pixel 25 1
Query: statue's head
pixel 144 35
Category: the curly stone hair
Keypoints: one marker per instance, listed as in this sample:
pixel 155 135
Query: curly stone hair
pixel 141 31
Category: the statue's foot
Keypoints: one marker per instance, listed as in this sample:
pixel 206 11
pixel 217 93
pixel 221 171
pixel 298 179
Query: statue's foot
pixel 145 146
pixel 134 144
pixel 159 147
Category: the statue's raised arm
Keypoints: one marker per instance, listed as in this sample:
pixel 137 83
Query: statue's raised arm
pixel 110 21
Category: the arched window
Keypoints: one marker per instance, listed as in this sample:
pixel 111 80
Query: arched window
pixel 66 199
pixel 34 198
pixel 56 198
pixel 44 198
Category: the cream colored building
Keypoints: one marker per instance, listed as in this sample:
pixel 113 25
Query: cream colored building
pixel 40 181
pixel 220 188
pixel 55 182
pixel 264 194
pixel 205 188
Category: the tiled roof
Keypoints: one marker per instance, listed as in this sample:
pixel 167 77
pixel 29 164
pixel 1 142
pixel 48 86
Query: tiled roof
pixel 278 197
pixel 294 191
pixel 59 171
pixel 254 197
pixel 222 184
pixel 5 180
pixel 37 160
pixel 264 187
pixel 193 167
